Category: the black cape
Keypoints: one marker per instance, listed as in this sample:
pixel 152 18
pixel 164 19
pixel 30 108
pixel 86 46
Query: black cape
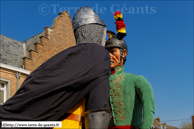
pixel 58 84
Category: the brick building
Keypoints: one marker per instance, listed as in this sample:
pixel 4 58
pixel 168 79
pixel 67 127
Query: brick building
pixel 19 59
pixel 158 125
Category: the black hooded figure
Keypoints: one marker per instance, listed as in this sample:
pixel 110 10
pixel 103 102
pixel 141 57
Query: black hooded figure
pixel 63 80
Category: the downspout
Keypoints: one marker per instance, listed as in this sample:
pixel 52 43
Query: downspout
pixel 18 77
pixel 18 74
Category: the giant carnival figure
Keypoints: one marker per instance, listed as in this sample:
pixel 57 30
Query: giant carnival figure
pixel 55 90
pixel 131 95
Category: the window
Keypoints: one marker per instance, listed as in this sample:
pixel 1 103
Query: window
pixel 4 90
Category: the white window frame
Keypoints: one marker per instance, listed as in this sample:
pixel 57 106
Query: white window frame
pixel 6 89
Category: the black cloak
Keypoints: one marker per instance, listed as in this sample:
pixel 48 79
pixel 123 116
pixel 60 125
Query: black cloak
pixel 58 84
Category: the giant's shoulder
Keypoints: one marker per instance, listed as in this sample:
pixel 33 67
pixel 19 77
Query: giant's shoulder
pixel 135 76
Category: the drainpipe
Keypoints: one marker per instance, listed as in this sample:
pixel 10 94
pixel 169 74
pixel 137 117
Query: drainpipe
pixel 18 77
pixel 18 74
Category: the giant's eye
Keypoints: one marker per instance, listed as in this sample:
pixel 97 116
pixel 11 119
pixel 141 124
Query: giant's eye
pixel 112 51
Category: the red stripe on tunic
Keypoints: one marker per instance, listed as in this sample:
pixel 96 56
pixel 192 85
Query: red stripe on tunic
pixel 122 127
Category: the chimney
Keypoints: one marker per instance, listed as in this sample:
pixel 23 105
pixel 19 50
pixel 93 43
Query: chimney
pixel 158 119
pixel 24 49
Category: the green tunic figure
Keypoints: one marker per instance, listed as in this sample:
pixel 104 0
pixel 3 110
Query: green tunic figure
pixel 131 96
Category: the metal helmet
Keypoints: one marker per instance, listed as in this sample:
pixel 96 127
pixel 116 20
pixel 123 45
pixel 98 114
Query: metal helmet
pixel 86 15
pixel 113 41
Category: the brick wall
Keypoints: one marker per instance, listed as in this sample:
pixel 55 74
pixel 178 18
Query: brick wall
pixel 57 38
pixel 11 75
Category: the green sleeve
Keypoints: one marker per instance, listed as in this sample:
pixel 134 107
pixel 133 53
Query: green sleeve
pixel 145 92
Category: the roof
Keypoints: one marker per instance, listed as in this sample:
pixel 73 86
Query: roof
pixel 31 41
pixel 157 125
pixel 11 51
pixel 170 127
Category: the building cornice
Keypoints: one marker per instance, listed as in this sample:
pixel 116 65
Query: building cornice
pixel 15 69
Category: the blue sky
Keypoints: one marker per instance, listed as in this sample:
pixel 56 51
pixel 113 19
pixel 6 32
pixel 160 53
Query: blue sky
pixel 159 38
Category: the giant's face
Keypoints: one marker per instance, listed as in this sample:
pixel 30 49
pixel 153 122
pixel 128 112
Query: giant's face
pixel 115 57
